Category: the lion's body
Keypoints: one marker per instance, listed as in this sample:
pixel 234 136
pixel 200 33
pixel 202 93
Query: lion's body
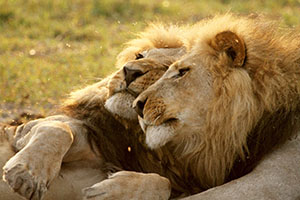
pixel 87 133
pixel 229 101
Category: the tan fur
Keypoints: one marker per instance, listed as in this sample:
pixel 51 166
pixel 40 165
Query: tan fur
pixel 232 105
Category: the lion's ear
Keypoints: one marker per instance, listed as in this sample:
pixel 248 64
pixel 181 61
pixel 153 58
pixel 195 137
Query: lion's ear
pixel 232 45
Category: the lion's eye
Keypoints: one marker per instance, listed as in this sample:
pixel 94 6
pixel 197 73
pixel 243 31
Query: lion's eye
pixel 139 56
pixel 182 72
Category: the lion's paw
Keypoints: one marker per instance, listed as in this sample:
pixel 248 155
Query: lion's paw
pixel 22 181
pixel 130 185
pixel 27 177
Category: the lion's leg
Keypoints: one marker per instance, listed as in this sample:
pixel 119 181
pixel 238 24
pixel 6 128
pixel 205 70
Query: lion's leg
pixel 38 162
pixel 73 176
pixel 125 185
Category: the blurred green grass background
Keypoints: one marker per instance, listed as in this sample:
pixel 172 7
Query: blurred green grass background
pixel 51 47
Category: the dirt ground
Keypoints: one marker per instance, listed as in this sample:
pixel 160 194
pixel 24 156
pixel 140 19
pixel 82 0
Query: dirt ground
pixel 13 114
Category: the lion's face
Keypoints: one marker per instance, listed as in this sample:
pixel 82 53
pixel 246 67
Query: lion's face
pixel 176 107
pixel 136 76
pixel 177 104
pixel 218 108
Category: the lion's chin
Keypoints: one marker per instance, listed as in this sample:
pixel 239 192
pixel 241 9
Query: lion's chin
pixel 121 105
pixel 158 136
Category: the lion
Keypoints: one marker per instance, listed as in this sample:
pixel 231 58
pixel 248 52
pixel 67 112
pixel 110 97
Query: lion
pixel 103 112
pixel 229 101
pixel 74 140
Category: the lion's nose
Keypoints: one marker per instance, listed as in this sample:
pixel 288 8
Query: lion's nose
pixel 139 106
pixel 131 74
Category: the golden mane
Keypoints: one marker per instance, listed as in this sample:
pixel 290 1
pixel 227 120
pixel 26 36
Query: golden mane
pixel 256 106
pixel 250 69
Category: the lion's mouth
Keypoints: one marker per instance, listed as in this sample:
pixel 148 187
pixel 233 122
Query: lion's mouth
pixel 131 92
pixel 121 104
pixel 169 122
pixel 158 135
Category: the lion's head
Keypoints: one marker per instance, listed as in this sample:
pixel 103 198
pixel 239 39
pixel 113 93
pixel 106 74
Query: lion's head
pixel 142 63
pixel 229 98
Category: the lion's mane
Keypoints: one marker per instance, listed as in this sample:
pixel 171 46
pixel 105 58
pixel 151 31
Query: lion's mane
pixel 251 71
pixel 255 108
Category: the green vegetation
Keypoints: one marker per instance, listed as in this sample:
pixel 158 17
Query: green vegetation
pixel 51 47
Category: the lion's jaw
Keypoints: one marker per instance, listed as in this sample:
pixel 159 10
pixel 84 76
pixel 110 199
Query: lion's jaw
pixel 171 112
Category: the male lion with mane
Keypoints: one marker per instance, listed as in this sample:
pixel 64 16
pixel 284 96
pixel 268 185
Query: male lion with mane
pixel 75 149
pixel 230 100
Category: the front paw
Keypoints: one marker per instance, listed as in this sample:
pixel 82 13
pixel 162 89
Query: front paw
pixel 42 146
pixel 130 185
pixel 21 179
pixel 29 176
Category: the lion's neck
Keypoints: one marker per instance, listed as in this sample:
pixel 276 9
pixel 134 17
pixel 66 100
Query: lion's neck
pixel 109 133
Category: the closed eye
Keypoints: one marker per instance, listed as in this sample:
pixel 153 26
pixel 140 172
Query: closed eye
pixel 181 72
pixel 139 56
